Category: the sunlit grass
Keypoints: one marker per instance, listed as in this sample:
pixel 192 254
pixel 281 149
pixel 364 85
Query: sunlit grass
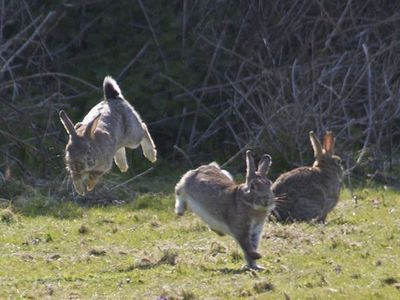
pixel 140 249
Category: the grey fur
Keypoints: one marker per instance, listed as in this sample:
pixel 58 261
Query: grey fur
pixel 103 134
pixel 238 210
pixel 310 193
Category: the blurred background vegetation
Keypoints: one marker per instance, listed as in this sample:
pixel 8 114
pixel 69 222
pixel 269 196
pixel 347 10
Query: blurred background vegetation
pixel 210 78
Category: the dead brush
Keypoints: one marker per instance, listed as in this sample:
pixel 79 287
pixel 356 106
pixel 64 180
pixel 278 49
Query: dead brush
pixel 169 257
pixel 7 216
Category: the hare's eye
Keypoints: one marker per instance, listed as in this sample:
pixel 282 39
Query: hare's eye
pixel 90 161
pixel 254 185
pixel 88 154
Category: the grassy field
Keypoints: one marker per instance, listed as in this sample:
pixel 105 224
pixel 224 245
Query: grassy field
pixel 56 248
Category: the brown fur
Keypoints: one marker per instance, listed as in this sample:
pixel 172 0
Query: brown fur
pixel 229 208
pixel 310 193
pixel 106 130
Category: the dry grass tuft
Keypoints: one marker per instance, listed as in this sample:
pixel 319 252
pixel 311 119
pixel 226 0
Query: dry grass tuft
pixel 263 286
pixel 7 216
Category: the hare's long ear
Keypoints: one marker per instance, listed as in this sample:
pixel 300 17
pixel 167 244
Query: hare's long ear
pixel 264 164
pixel 329 142
pixel 68 125
pixel 316 145
pixel 91 126
pixel 250 166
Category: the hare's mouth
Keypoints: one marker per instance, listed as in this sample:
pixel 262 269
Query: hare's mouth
pixel 264 205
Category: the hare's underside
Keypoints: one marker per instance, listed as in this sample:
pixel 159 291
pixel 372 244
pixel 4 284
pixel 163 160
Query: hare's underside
pixel 228 217
pixel 219 202
pixel 201 190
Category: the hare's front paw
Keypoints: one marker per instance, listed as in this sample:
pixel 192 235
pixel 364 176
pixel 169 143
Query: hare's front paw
pixel 90 186
pixel 93 178
pixel 254 266
pixel 79 187
pixel 152 155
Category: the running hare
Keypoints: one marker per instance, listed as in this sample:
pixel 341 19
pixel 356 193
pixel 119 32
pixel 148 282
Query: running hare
pixel 310 193
pixel 238 210
pixel 106 130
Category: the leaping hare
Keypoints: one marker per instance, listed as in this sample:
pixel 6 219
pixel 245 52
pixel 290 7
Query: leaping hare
pixel 310 193
pixel 228 208
pixel 109 127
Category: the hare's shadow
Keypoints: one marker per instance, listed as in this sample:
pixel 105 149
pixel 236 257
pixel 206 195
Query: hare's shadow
pixel 226 271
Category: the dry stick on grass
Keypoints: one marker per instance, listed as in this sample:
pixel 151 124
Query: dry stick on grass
pixel 131 179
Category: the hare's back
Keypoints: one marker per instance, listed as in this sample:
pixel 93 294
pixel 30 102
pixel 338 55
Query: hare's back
pixel 100 108
pixel 208 185
pixel 208 193
pixel 210 177
pixel 300 183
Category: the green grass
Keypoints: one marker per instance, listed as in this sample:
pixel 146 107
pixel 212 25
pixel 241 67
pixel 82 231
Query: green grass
pixel 58 249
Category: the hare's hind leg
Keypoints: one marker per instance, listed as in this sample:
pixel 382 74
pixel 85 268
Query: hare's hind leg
pixel 120 159
pixel 180 204
pixel 180 199
pixel 77 181
pixel 148 146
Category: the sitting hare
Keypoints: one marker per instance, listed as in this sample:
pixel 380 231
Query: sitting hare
pixel 238 210
pixel 310 193
pixel 106 130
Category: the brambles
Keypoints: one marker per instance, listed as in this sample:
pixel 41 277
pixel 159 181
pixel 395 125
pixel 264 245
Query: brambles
pixel 212 78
